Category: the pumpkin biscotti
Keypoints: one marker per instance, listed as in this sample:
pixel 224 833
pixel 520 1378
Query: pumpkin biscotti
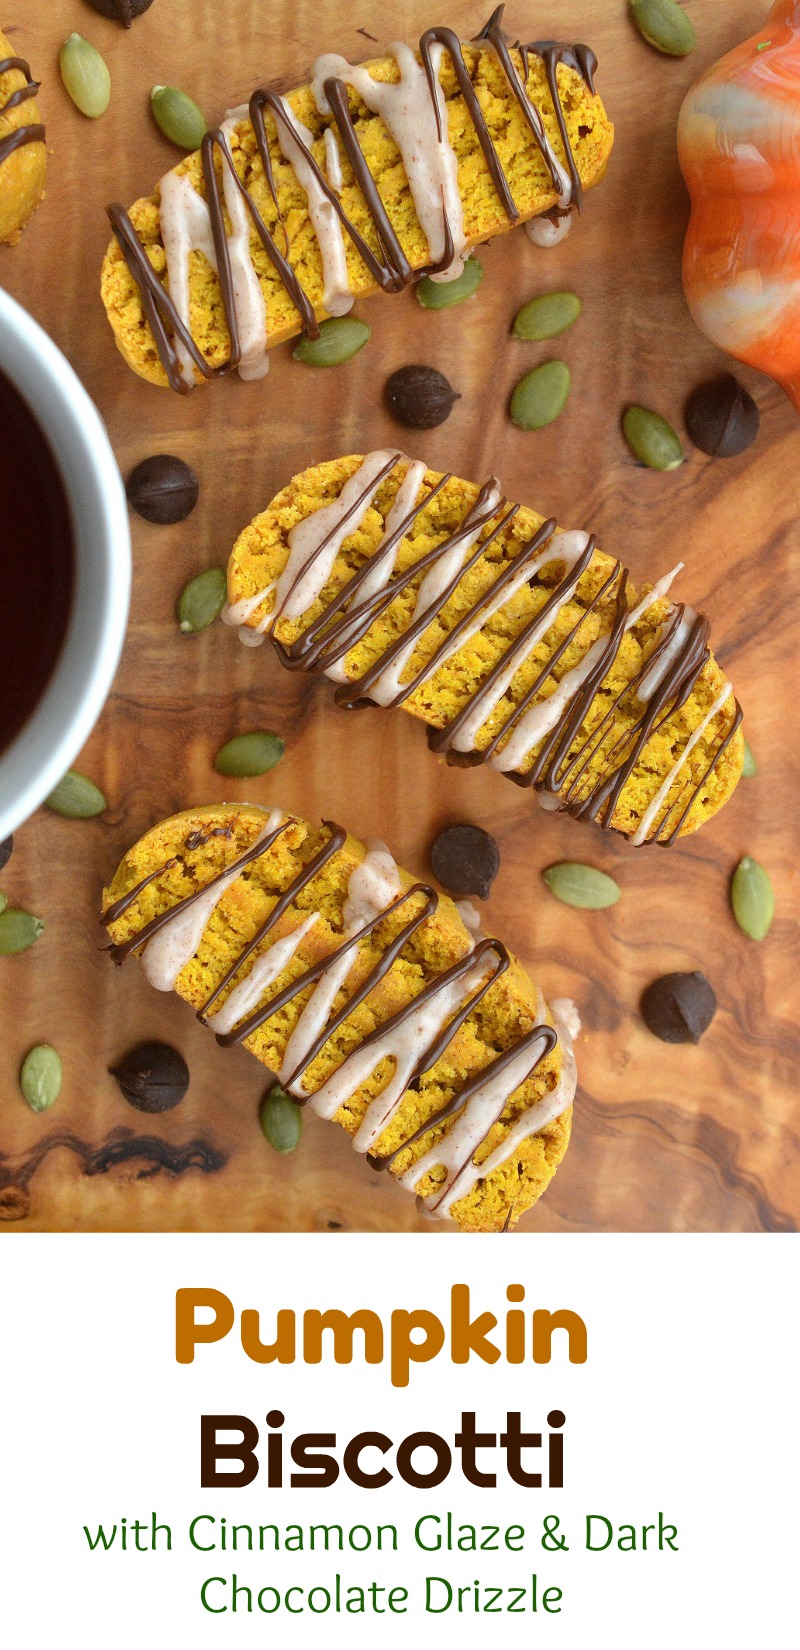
pixel 366 178
pixel 22 152
pixel 520 646
pixel 364 993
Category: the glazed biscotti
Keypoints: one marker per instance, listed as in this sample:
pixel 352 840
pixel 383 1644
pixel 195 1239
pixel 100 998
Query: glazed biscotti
pixel 364 993
pixel 520 646
pixel 22 152
pixel 364 179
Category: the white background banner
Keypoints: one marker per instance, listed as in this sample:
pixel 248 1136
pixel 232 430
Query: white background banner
pixel 684 1414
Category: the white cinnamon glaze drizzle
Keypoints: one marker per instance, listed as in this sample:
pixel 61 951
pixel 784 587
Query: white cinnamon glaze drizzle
pixel 333 160
pixel 383 565
pixel 470 916
pixel 541 721
pixel 653 677
pixel 546 231
pixel 403 1044
pixel 654 807
pixel 414 110
pixel 565 1013
pixel 337 297
pixel 371 887
pixel 186 228
pixel 407 1038
pixel 168 952
pixel 408 112
pixel 542 718
pixel 567 548
pixel 264 972
pixel 236 615
pixel 431 167
pixel 429 596
pixel 315 543
pixel 456 1151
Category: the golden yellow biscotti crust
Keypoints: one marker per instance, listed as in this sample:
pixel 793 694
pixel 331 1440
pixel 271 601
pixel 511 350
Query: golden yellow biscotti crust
pixel 260 556
pixel 509 1010
pixel 22 163
pixel 590 136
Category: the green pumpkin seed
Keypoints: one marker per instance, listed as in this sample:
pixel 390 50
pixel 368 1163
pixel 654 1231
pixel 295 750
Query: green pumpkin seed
pixel 18 930
pixel 752 898
pixel 178 116
pixel 281 1119
pixel 750 766
pixel 76 797
pixel 249 755
pixel 651 439
pixel 540 396
pixel 443 294
pixel 40 1077
pixel 339 340
pixel 665 26
pixel 85 76
pixel 546 316
pixel 201 600
pixel 581 885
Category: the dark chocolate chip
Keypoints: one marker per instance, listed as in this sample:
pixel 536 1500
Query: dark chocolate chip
pixel 420 397
pixel 678 1008
pixel 465 860
pixel 121 11
pixel 721 418
pixel 153 1077
pixel 163 489
pixel 6 850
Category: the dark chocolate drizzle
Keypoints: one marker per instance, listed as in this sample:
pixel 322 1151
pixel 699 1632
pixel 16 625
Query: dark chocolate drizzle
pixel 583 60
pixel 580 58
pixel 544 1034
pixel 336 841
pixel 35 132
pixel 119 952
pixel 419 891
pixel 389 267
pixel 560 765
pixel 350 695
pixel 353 510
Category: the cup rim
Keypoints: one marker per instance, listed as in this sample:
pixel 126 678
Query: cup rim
pixel 47 744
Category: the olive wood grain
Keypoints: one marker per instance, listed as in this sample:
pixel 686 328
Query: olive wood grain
pixel 675 1138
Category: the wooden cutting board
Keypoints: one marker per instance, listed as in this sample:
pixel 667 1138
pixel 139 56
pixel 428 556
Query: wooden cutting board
pixel 668 1138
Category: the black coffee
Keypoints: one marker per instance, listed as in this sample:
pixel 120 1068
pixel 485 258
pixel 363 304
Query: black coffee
pixel 37 563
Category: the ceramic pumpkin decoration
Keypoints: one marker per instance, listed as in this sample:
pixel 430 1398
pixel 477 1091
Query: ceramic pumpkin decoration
pixel 739 147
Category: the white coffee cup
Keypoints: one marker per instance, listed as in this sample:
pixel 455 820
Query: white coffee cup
pixel 48 743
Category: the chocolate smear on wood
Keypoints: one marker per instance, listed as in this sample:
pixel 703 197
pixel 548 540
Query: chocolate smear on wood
pixel 154 1156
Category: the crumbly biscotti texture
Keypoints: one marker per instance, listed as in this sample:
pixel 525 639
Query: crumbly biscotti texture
pixel 22 174
pixel 260 554
pixel 507 1012
pixel 591 137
